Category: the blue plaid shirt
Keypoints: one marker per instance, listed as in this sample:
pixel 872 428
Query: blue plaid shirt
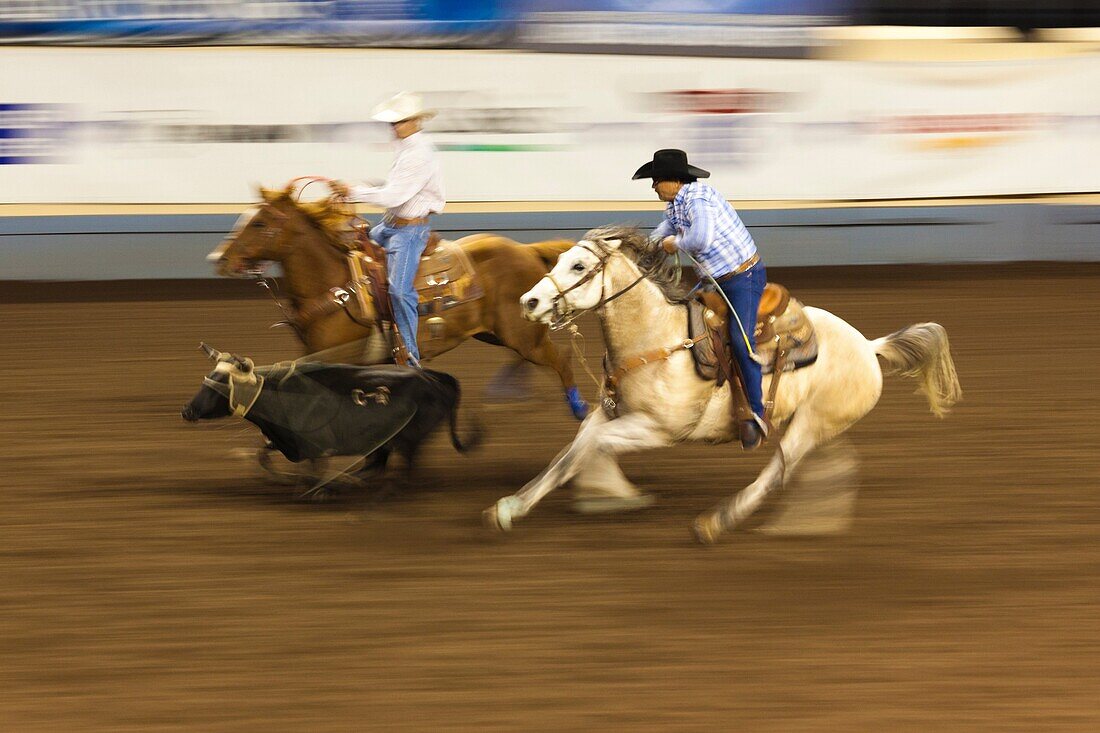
pixel 708 227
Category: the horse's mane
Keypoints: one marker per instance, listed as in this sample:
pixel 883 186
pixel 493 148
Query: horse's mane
pixel 325 212
pixel 328 215
pixel 660 268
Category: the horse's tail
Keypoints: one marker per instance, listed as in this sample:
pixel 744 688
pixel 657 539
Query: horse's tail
pixel 923 352
pixel 548 252
pixel 473 438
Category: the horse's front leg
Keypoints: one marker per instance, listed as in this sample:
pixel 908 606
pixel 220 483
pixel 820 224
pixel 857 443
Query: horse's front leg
pixel 597 434
pixel 501 515
pixel 601 487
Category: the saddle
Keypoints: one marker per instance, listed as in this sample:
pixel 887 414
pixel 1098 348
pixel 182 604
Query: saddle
pixel 785 341
pixel 445 279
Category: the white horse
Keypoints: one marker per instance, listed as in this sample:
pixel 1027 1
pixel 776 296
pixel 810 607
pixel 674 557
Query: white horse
pixel 617 273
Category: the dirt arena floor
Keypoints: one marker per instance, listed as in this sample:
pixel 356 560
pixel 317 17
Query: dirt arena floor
pixel 151 580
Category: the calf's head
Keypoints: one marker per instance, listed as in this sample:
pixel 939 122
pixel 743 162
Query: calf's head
pixel 231 389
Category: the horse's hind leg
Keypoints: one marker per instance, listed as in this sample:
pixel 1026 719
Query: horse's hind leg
pixel 535 346
pixel 819 498
pixel 803 434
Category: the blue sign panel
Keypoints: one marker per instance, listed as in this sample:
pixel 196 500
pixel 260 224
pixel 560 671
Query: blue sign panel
pixel 347 22
pixel 30 133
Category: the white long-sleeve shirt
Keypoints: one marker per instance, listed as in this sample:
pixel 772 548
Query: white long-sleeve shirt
pixel 414 187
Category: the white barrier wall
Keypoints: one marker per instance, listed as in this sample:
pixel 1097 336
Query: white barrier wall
pixel 202 125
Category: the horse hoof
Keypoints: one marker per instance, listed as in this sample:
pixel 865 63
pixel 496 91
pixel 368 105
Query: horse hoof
pixel 612 504
pixel 491 521
pixel 707 528
pixel 499 516
pixel 580 411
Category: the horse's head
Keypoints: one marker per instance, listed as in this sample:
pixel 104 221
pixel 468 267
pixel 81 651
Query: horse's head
pixel 232 383
pixel 262 234
pixel 578 281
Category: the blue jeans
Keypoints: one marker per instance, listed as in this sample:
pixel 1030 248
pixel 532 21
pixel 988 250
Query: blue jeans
pixel 403 249
pixel 743 292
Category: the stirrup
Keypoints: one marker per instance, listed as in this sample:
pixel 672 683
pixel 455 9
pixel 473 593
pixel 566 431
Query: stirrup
pixel 763 424
pixel 753 427
pixel 759 427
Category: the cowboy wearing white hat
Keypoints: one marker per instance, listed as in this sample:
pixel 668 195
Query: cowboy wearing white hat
pixel 412 192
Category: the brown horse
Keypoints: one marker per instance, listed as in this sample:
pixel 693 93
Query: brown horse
pixel 302 237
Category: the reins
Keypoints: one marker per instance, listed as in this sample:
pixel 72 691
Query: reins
pixel 332 300
pixel 612 377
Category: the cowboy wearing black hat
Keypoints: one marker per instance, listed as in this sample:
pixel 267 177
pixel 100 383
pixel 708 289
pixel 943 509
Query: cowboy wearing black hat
pixel 701 222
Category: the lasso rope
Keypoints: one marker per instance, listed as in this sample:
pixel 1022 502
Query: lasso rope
pixel 578 349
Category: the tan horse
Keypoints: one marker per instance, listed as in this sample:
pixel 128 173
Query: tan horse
pixel 303 238
pixel 663 402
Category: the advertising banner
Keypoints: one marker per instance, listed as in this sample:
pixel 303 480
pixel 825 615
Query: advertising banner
pixel 200 125
pixel 761 28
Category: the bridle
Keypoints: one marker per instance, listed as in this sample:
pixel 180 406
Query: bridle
pixel 254 270
pixel 564 317
pixel 333 299
pixel 564 312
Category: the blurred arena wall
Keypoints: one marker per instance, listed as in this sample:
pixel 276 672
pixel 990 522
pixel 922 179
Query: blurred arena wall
pixel 172 245
pixel 840 144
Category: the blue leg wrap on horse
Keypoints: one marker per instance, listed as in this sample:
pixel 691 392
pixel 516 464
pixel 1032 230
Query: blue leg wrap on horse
pixel 576 403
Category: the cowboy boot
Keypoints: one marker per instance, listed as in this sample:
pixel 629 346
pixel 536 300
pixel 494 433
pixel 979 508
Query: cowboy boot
pixel 754 432
pixel 401 355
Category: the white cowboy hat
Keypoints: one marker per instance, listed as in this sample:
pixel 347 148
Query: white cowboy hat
pixel 402 106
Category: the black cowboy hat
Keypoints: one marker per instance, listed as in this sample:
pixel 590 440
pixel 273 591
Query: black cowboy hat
pixel 670 165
